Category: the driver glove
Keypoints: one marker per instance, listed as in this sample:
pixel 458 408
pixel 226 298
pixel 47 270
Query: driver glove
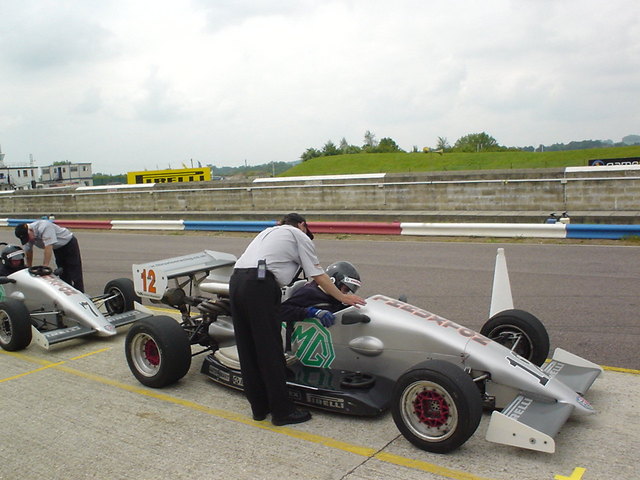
pixel 326 317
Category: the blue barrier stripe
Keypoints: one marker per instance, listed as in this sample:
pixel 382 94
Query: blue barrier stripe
pixel 228 226
pixel 595 231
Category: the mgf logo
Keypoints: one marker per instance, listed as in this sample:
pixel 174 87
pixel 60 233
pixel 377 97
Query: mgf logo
pixel 312 344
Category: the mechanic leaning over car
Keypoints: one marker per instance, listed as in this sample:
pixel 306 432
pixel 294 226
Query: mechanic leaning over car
pixel 311 301
pixel 56 241
pixel 270 262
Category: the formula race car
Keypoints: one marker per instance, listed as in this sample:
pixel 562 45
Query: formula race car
pixel 36 304
pixel 435 375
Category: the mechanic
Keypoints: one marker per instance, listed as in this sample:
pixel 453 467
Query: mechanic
pixel 56 241
pixel 270 262
pixel 311 301
pixel 11 260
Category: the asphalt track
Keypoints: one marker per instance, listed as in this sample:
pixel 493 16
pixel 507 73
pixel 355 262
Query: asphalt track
pixel 76 412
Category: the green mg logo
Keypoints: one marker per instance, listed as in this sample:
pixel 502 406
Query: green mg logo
pixel 312 344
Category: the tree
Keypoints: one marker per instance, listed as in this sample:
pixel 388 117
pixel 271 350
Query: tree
pixel 330 149
pixel 347 149
pixel 442 144
pixel 370 142
pixel 310 153
pixel 476 142
pixel 387 145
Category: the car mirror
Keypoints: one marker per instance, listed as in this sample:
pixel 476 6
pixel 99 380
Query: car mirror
pixel 351 318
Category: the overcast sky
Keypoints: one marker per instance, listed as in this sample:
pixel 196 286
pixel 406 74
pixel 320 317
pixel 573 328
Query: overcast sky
pixel 145 84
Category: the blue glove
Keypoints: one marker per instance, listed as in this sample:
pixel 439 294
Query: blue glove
pixel 326 317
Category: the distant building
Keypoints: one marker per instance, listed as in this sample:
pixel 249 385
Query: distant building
pixel 66 174
pixel 23 177
pixel 17 177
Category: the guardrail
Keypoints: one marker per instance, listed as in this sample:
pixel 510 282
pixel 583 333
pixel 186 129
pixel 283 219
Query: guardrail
pixel 498 230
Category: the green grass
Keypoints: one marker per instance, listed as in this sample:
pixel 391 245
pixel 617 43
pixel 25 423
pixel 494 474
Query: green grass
pixel 433 162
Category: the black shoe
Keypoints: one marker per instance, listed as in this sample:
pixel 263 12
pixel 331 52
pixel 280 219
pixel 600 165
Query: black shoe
pixel 297 416
pixel 258 417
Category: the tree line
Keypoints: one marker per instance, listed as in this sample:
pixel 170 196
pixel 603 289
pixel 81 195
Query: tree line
pixel 473 142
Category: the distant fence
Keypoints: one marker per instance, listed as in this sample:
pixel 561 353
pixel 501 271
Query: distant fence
pixel 502 230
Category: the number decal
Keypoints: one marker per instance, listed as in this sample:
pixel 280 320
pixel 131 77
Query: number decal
pixel 148 280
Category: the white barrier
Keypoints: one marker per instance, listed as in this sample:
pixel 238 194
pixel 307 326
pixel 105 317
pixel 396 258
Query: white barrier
pixel 147 224
pixel 529 230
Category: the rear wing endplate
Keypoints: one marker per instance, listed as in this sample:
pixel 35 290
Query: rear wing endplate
pixel 151 280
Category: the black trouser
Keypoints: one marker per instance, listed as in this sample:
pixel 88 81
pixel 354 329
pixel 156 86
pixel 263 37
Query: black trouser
pixel 68 258
pixel 255 305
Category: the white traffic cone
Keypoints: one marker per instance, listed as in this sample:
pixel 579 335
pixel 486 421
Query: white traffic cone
pixel 501 298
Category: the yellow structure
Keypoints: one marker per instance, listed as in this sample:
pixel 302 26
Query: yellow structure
pixel 178 175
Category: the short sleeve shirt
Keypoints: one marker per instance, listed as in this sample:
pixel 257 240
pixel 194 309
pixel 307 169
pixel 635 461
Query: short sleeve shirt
pixel 285 249
pixel 48 233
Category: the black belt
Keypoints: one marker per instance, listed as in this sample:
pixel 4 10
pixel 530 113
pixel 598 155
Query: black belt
pixel 252 271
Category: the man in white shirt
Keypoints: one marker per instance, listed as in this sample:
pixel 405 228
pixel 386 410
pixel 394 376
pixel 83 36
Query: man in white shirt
pixel 56 241
pixel 270 262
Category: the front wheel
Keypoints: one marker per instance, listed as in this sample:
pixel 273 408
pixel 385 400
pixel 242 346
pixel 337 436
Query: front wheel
pixel 436 406
pixel 15 325
pixel 521 332
pixel 121 296
pixel 158 351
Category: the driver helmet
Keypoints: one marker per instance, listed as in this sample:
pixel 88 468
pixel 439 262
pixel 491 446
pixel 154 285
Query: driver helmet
pixel 344 273
pixel 12 257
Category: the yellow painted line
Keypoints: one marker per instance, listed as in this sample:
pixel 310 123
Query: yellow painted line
pixel 235 417
pixel 575 475
pixel 30 372
pixel 622 370
pixel 91 353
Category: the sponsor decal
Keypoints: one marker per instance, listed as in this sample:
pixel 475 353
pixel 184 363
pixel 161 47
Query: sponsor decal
pixel 60 285
pixel 521 407
pixel 601 162
pixel 312 344
pixel 2 293
pixel 431 317
pixel 57 333
pixel 325 401
pixel 554 368
pixel 583 402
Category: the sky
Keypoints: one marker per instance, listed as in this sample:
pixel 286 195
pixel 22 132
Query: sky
pixel 151 84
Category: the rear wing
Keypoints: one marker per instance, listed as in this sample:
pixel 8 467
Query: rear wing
pixel 151 280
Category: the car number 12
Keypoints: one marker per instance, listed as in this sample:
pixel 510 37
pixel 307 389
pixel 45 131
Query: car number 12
pixel 148 280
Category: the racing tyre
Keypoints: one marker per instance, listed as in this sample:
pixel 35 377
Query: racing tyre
pixel 15 325
pixel 124 295
pixel 158 351
pixel 520 332
pixel 436 406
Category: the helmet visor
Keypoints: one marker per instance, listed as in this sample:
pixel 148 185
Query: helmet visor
pixel 351 283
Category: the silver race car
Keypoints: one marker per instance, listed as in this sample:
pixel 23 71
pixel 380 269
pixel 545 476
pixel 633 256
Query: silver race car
pixel 35 304
pixel 435 375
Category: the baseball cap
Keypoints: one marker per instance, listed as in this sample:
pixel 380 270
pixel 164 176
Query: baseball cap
pixel 22 232
pixel 295 219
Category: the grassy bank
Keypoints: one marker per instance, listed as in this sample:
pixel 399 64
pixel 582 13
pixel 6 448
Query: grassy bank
pixel 424 162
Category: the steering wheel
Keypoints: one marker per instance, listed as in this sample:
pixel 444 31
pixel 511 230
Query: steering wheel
pixel 40 271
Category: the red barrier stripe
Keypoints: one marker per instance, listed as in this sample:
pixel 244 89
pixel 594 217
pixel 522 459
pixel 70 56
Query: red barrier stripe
pixel 89 224
pixel 363 228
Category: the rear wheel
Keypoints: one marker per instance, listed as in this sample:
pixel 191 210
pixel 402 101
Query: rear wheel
pixel 436 406
pixel 123 295
pixel 158 351
pixel 520 332
pixel 15 325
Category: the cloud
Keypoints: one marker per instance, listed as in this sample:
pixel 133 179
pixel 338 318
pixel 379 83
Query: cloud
pixel 126 85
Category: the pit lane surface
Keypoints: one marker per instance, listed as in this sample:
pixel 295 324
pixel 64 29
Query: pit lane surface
pixel 77 412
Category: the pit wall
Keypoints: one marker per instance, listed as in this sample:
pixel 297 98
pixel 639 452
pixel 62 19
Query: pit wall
pixel 609 194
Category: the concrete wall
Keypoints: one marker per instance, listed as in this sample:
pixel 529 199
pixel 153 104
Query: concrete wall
pixel 593 194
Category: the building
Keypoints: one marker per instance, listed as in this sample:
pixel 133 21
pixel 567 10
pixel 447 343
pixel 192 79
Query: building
pixel 66 174
pixel 17 177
